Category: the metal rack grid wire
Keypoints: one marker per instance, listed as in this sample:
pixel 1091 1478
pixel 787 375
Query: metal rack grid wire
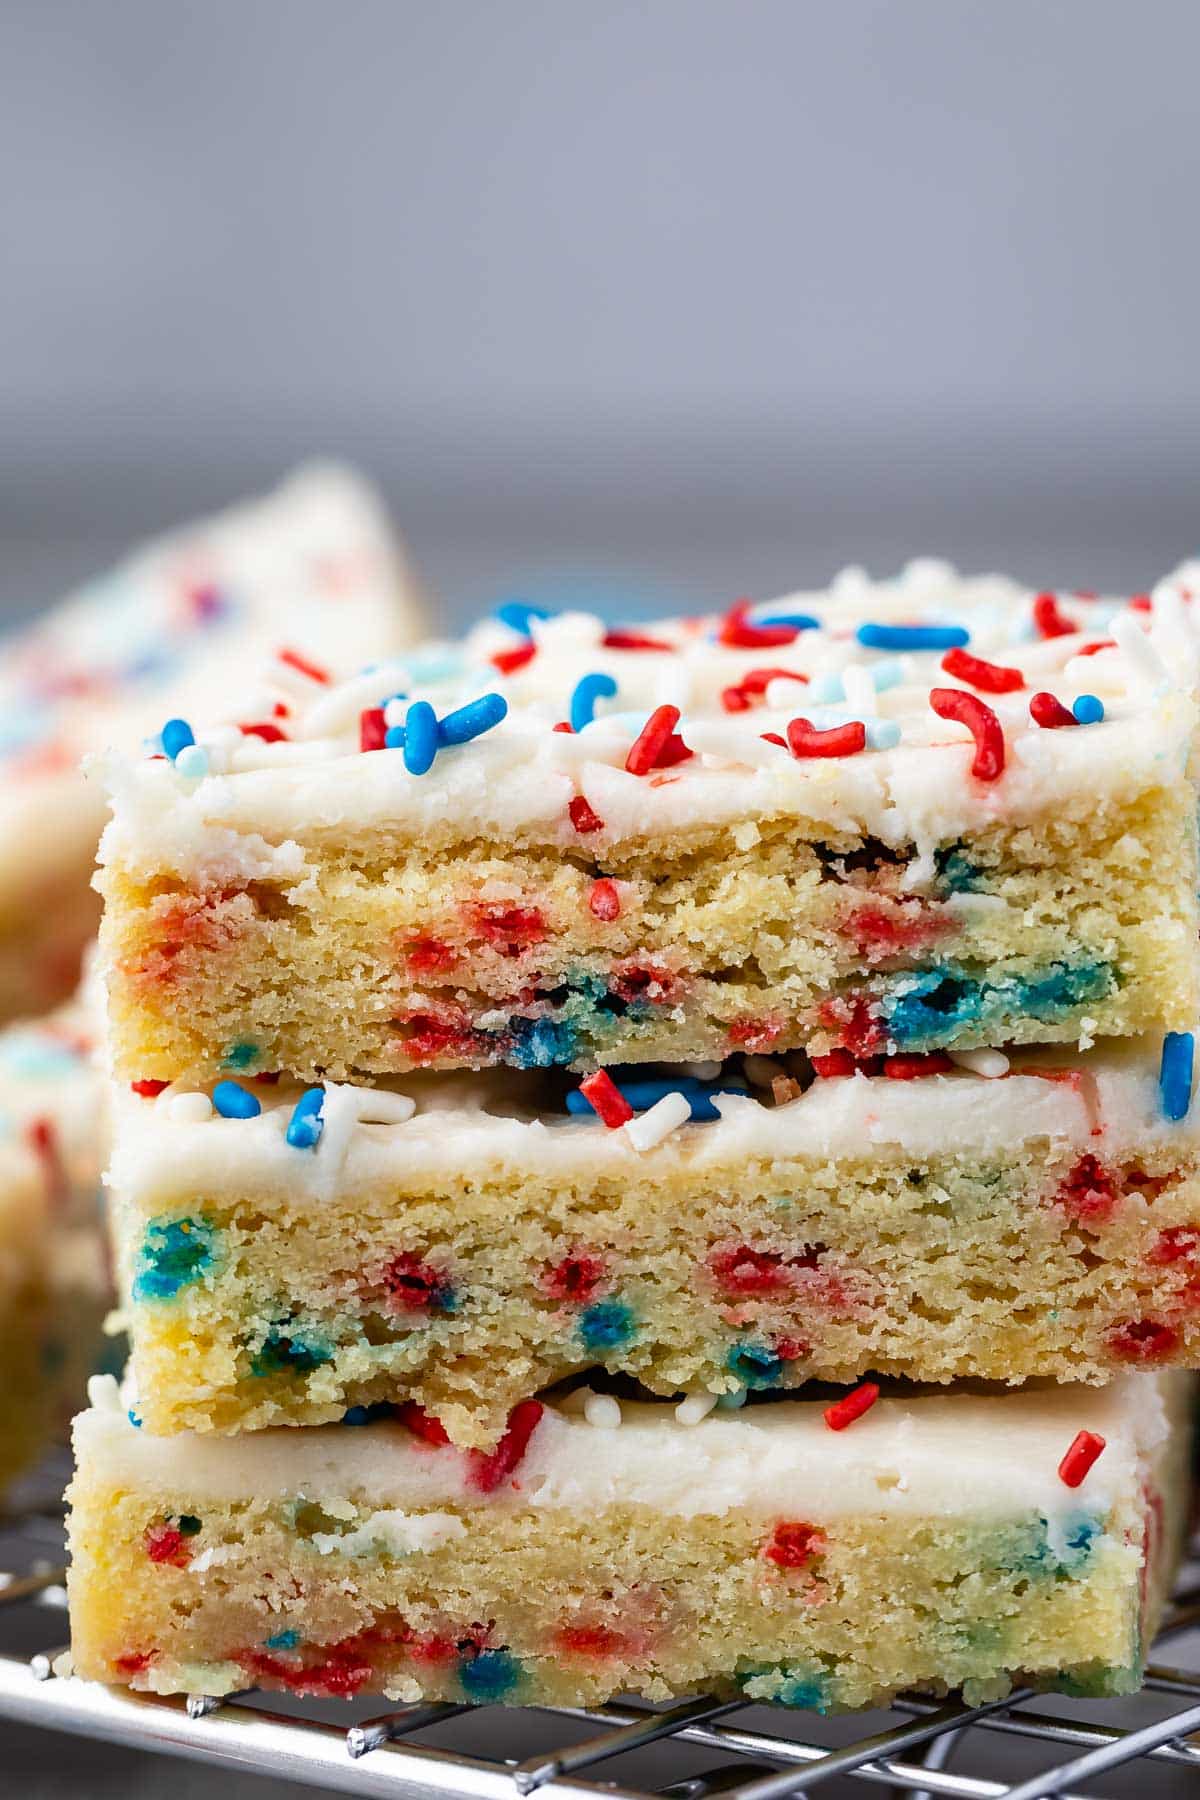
pixel 382 1756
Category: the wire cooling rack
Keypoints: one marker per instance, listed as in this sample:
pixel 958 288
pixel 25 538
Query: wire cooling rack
pixel 1020 1748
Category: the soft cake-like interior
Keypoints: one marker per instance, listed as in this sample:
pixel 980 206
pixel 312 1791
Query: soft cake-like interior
pixel 378 953
pixel 931 1546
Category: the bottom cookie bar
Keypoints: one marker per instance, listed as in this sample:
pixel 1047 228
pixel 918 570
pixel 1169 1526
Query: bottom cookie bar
pixel 818 1556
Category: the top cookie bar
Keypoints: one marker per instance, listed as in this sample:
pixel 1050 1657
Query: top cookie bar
pixel 920 814
pixel 306 568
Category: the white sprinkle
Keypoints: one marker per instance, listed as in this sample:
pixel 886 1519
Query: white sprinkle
pixel 379 1106
pixel 190 1109
pixel 664 1117
pixel 1148 665
pixel 858 685
pixel 339 707
pixel 695 1408
pixel 780 694
pixel 731 1402
pixel 192 762
pixel 104 1394
pixel 992 1063
pixel 339 1116
pixel 395 712
pixel 728 741
pixel 602 1411
pixel 701 1071
pixel 673 685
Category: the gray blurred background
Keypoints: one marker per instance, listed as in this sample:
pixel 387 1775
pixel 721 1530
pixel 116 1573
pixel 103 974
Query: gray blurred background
pixel 683 297
pixel 670 300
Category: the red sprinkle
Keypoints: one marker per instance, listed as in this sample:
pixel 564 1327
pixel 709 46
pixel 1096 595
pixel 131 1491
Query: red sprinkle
pixel 1141 603
pixel 148 1089
pixel 134 1662
pixel 792 1544
pixel 1100 644
pixel 313 670
pixel 773 737
pixel 804 739
pixel 424 1425
pixel 605 1098
pixel 911 1066
pixel 509 929
pixel 604 902
pixel 1051 622
pixel 372 728
pixel 166 1544
pixel 738 632
pixel 833 1064
pixel 1087 1193
pixel 270 734
pixel 736 699
pixel 756 681
pixel 1085 1448
pixel 574 1279
pixel 1176 1243
pixel 413 1285
pixel 632 640
pixel 657 744
pixel 583 817
pixel 741 1269
pixel 981 722
pixel 1143 1340
pixel 1050 713
pixel 989 678
pixel 507 662
pixel 429 956
pixel 490 1468
pixel 844 1412
pixel 564 726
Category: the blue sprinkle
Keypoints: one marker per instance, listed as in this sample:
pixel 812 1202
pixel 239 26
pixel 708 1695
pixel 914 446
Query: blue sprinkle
pixel 913 637
pixel 176 735
pixel 589 689
pixel 472 720
pixel 516 614
pixel 642 1095
pixel 420 738
pixel 134 1420
pixel 283 1640
pixel 306 1124
pixel 732 1402
pixel 192 762
pixel 1175 1073
pixel 174 1253
pixel 1088 709
pixel 541 1043
pixel 606 1326
pixel 393 737
pixel 367 1415
pixel 754 1365
pixel 489 1675
pixel 825 690
pixel 882 734
pixel 240 1056
pixel 797 621
pixel 886 675
pixel 233 1101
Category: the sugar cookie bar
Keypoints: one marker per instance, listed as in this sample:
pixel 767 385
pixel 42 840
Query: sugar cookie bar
pixel 969 1541
pixel 824 824
pixel 54 1272
pixel 313 1258
pixel 170 629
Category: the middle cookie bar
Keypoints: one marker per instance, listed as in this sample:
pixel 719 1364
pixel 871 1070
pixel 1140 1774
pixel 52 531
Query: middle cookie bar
pixel 326 1253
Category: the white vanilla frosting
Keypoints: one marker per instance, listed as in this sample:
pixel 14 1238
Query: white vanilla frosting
pixel 964 1455
pixel 1106 1101
pixel 180 626
pixel 267 803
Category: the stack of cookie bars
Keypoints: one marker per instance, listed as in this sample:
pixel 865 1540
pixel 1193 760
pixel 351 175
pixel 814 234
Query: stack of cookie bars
pixel 660 1159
